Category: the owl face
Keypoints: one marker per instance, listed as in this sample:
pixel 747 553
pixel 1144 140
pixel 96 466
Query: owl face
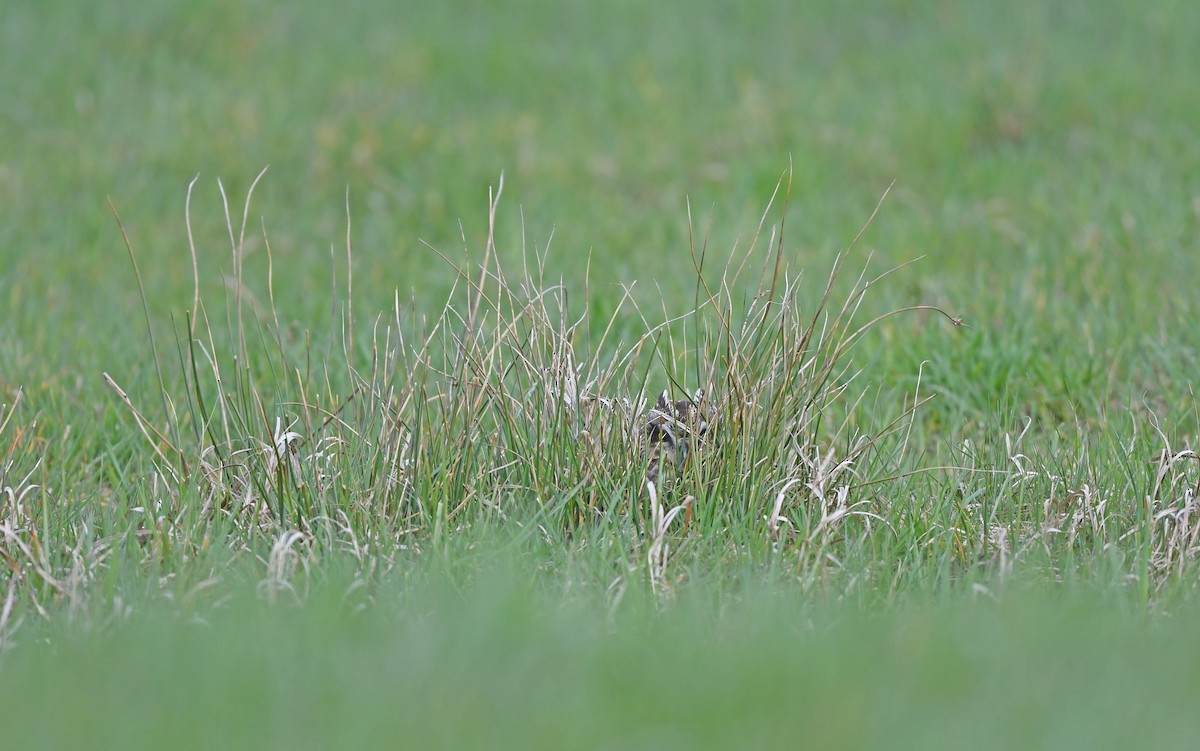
pixel 674 428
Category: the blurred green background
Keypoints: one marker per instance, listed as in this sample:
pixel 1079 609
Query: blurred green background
pixel 1045 154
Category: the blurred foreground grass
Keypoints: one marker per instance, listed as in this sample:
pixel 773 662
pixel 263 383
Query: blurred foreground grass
pixel 494 666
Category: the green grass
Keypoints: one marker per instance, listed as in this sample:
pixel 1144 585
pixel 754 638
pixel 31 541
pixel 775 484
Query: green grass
pixel 498 667
pixel 459 520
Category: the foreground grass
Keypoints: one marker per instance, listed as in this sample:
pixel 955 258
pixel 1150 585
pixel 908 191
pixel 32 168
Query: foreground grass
pixel 494 666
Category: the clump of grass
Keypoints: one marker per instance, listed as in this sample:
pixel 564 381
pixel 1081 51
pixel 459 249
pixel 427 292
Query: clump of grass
pixel 512 408
pixel 49 558
pixel 16 488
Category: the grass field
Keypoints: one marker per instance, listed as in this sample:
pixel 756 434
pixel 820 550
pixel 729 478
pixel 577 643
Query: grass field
pixel 353 452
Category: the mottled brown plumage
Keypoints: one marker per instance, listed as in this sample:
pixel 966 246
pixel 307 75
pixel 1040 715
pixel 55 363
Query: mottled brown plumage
pixel 673 430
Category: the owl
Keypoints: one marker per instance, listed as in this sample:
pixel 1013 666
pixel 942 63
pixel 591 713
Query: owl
pixel 674 430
